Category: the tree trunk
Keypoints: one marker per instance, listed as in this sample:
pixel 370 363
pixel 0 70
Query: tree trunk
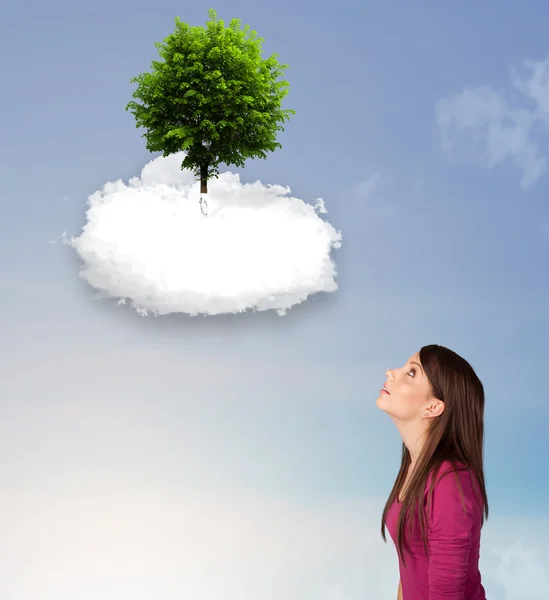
pixel 203 179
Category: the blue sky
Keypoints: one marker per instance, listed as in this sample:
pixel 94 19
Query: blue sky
pixel 442 249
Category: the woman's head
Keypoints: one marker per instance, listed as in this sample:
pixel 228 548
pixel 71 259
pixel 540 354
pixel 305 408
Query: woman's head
pixel 438 397
pixel 408 395
pixel 439 393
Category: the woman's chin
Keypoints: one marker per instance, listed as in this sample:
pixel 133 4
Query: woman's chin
pixel 381 402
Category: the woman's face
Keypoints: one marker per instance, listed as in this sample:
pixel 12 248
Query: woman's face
pixel 409 394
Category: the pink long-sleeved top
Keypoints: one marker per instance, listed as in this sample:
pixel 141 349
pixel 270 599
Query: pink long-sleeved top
pixel 453 539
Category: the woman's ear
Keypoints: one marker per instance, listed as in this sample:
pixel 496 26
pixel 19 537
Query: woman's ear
pixel 435 409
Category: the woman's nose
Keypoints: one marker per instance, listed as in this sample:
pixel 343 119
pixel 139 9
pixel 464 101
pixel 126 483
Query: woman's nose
pixel 389 374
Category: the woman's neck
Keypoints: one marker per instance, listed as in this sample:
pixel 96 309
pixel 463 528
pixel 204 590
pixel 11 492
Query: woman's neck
pixel 413 435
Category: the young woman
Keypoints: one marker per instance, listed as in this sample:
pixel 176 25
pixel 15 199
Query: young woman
pixel 438 503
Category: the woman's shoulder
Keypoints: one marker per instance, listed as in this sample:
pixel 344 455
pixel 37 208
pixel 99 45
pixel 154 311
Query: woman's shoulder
pixel 454 484
pixel 446 467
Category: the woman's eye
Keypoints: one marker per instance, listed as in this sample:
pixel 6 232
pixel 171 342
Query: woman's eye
pixel 412 371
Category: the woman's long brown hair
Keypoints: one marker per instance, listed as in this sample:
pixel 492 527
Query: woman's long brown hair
pixel 456 436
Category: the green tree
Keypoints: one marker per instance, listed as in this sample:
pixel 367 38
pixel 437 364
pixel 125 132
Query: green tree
pixel 213 96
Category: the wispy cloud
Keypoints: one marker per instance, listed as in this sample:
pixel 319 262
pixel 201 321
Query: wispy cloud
pixel 181 539
pixel 132 472
pixel 367 187
pixel 502 126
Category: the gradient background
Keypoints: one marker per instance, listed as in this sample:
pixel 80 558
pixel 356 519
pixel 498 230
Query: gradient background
pixel 243 456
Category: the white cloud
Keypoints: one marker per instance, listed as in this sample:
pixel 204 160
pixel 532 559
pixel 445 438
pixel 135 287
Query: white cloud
pixel 258 248
pixel 502 126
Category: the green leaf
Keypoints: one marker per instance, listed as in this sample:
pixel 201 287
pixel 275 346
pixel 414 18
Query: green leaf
pixel 212 95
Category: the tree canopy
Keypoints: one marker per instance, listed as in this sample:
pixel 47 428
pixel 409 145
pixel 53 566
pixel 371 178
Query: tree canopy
pixel 213 96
